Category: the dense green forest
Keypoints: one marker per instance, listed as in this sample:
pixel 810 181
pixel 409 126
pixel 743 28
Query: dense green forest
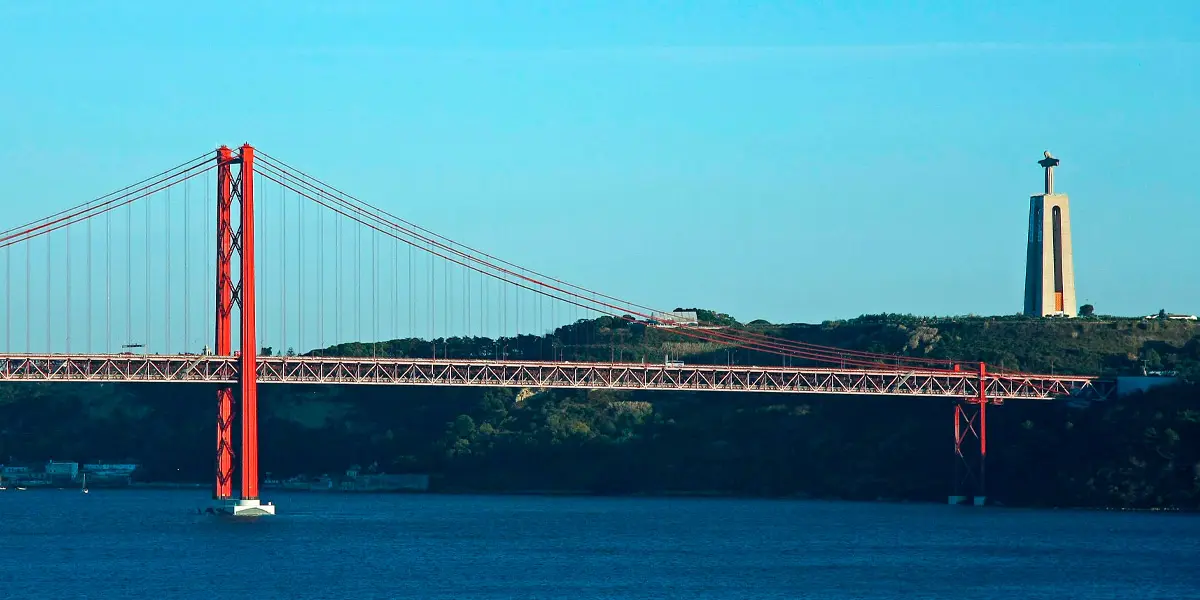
pixel 1142 450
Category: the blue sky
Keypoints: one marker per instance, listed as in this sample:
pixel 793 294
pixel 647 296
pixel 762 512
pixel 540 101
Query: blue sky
pixel 794 161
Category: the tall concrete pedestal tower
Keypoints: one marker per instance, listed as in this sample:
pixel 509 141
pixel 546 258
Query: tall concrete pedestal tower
pixel 1049 268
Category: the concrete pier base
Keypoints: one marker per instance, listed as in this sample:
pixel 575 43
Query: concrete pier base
pixel 980 500
pixel 957 500
pixel 243 508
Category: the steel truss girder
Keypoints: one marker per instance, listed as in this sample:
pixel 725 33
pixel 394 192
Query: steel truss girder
pixel 538 374
pixel 969 450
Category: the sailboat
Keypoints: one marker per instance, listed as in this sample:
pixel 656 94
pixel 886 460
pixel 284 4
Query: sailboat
pixel 85 490
pixel 2 488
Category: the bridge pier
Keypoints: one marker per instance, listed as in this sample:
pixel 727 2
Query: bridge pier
pixel 970 452
pixel 970 446
pixel 244 507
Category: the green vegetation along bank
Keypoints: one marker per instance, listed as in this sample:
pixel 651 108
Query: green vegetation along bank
pixel 1142 450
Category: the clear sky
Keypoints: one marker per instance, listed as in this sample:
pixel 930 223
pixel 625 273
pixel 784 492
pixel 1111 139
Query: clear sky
pixel 794 161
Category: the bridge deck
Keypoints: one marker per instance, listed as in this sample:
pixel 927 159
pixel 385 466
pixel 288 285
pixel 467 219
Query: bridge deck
pixel 537 374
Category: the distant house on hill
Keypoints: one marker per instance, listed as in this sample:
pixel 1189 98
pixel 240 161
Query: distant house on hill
pixel 1173 317
pixel 686 318
pixel 681 317
pixel 676 318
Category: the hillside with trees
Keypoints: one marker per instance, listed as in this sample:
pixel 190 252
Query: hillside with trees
pixel 1142 450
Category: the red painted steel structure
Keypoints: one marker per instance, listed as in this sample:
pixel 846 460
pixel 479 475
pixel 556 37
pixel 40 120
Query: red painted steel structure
pixel 970 426
pixel 958 386
pixel 248 373
pixel 223 487
pixel 859 373
pixel 981 489
pixel 241 295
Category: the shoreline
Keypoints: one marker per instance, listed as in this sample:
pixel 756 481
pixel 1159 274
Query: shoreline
pixel 163 486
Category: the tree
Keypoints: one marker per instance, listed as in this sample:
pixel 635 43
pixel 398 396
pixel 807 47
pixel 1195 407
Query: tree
pixel 463 426
pixel 1190 372
pixel 1152 359
pixel 1162 313
pixel 1087 310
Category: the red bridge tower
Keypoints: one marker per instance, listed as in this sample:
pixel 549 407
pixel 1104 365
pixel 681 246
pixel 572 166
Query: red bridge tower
pixel 237 188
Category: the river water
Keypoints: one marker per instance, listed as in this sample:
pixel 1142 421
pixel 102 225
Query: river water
pixel 124 543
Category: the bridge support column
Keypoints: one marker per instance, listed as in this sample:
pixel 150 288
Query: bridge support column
pixel 223 487
pixel 248 375
pixel 241 295
pixel 970 446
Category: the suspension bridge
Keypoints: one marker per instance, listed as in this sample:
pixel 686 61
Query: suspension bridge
pixel 125 288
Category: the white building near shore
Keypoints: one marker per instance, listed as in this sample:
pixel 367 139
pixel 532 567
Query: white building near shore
pixel 62 470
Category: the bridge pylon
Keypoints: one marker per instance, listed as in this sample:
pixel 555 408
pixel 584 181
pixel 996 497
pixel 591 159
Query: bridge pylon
pixel 970 445
pixel 237 238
